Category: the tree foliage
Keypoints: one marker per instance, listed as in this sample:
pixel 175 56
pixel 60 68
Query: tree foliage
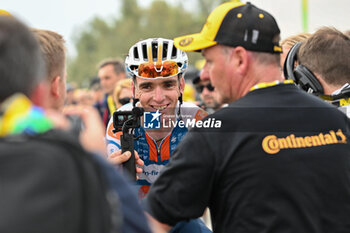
pixel 100 39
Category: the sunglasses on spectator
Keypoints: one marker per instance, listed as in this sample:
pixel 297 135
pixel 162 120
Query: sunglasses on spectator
pixel 124 100
pixel 163 69
pixel 200 88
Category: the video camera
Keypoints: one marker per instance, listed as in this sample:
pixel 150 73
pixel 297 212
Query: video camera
pixel 127 122
pixel 130 119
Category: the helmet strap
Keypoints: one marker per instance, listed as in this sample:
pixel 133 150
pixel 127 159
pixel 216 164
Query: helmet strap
pixel 180 97
pixel 180 103
pixel 134 100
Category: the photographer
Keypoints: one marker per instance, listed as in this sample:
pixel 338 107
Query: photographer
pixel 51 181
pixel 157 69
pixel 323 66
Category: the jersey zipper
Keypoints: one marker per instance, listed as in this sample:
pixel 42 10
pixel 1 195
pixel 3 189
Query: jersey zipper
pixel 159 148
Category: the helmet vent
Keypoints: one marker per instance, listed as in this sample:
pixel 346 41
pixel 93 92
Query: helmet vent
pixel 136 53
pixel 154 51
pixel 144 51
pixel 133 67
pixel 165 50
pixel 173 52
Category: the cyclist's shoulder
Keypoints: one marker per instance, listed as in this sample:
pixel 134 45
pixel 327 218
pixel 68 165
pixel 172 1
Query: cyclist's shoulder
pixel 192 111
pixel 126 107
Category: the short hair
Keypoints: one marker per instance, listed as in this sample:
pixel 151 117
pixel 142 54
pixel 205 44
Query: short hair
pixel 260 57
pixel 121 84
pixel 326 53
pixel 52 46
pixel 118 65
pixel 267 58
pixel 290 41
pixel 22 66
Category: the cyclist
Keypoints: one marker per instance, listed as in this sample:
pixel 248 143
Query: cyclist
pixel 157 69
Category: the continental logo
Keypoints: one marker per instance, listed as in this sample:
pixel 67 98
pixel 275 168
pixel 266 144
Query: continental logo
pixel 186 41
pixel 271 144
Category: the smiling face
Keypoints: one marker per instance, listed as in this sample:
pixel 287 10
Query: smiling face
pixel 159 94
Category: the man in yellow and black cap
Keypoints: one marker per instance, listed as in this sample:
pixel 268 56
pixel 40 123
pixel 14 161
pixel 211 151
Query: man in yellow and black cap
pixel 235 24
pixel 280 159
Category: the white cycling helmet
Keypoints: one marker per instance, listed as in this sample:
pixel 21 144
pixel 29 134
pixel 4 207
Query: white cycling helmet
pixel 154 52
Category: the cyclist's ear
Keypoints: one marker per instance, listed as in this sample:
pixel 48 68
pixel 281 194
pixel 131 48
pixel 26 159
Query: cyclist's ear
pixel 133 88
pixel 182 84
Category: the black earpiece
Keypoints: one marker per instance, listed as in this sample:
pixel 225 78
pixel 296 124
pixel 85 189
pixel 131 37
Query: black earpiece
pixel 301 75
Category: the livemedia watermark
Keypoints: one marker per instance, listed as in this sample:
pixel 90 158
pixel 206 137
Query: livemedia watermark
pixel 153 120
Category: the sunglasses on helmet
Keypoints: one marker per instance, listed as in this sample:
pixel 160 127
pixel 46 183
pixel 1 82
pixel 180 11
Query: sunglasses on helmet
pixel 154 70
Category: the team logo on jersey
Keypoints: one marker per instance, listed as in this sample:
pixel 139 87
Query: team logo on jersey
pixel 151 120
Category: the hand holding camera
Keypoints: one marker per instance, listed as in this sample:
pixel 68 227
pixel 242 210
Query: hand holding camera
pixel 119 157
pixel 88 126
pixel 127 122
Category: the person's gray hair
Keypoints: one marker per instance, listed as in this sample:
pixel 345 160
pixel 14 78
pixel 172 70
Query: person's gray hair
pixel 260 57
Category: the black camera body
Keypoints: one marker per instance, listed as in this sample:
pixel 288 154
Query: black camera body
pixel 127 122
pixel 76 124
pixel 130 119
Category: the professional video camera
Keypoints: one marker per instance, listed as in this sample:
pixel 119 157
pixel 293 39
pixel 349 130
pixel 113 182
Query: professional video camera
pixel 127 122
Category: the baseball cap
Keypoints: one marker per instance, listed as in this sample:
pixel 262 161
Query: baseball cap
pixel 235 24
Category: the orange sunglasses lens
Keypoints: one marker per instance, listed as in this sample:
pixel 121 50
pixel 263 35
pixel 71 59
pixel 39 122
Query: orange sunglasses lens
pixel 148 70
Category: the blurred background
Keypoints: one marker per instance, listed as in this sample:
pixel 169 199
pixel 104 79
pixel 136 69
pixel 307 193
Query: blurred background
pixel 95 30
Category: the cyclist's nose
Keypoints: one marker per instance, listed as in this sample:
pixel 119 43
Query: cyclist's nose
pixel 158 94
